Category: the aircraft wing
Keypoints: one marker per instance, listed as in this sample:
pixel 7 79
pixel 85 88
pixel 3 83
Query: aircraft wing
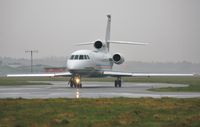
pixel 63 74
pixel 105 73
pixel 125 74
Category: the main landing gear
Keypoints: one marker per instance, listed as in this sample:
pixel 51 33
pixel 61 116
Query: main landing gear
pixel 75 81
pixel 118 82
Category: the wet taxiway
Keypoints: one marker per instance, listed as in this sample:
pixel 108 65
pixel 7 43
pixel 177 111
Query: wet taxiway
pixel 59 89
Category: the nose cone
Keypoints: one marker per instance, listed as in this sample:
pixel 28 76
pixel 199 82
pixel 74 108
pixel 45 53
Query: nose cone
pixel 73 65
pixel 78 64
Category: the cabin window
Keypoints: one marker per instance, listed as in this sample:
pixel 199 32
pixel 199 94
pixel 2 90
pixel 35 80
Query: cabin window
pixel 72 57
pixel 88 57
pixel 81 57
pixel 76 57
pixel 84 57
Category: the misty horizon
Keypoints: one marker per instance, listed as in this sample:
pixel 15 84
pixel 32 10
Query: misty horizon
pixel 9 65
pixel 64 58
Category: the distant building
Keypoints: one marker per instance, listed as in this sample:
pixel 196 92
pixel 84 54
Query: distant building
pixel 55 69
pixel 14 65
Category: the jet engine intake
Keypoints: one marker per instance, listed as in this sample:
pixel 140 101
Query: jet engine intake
pixel 118 58
pixel 98 44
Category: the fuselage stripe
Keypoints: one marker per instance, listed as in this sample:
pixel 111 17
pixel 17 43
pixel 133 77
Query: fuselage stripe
pixel 103 66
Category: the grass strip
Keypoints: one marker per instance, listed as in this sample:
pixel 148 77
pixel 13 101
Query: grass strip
pixel 120 112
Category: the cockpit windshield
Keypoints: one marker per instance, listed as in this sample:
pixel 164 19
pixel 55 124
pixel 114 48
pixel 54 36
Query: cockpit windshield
pixel 79 57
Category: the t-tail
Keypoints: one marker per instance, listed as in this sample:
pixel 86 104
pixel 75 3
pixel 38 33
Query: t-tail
pixel 104 46
pixel 107 38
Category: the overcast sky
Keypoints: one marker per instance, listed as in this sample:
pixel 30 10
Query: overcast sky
pixel 53 27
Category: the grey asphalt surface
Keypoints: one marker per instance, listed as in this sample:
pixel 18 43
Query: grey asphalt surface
pixel 60 89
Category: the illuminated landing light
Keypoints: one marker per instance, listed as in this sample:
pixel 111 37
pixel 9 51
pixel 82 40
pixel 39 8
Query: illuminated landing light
pixel 77 93
pixel 77 80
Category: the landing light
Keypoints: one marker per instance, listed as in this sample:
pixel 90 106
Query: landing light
pixel 77 80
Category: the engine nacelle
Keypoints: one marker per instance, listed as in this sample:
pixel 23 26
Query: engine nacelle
pixel 118 58
pixel 98 44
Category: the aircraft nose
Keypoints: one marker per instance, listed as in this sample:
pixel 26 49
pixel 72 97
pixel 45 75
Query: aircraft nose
pixel 74 65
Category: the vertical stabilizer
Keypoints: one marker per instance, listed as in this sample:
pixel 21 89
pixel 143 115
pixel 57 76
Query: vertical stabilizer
pixel 107 39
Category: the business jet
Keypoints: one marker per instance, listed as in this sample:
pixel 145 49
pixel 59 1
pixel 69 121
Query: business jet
pixel 96 63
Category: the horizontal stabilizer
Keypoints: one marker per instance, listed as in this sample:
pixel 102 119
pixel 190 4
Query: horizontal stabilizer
pixel 127 42
pixel 85 43
pixel 116 42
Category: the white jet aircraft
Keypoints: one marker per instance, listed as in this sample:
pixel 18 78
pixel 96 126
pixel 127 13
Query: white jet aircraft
pixel 96 63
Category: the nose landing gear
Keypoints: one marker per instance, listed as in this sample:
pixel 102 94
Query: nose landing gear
pixel 75 81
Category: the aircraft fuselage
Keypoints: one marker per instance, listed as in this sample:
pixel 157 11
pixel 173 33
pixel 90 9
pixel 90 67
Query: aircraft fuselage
pixel 89 63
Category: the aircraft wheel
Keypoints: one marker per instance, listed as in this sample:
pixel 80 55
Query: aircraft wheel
pixel 118 83
pixel 78 85
pixel 115 83
pixel 71 85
